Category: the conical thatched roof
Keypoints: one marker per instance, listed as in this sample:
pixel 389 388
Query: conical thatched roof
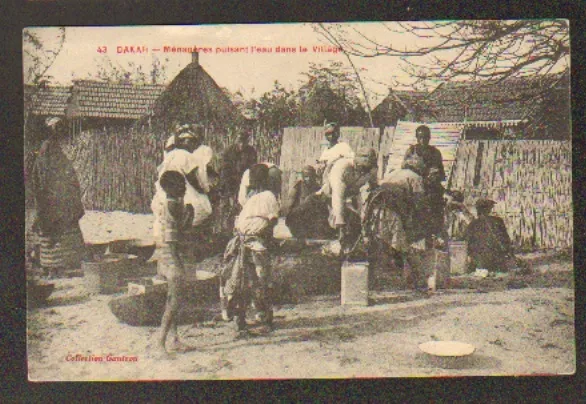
pixel 194 97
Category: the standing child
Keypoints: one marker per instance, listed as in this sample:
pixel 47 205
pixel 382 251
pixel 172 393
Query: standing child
pixel 250 249
pixel 176 217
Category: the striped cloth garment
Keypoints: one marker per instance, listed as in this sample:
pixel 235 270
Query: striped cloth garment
pixel 66 253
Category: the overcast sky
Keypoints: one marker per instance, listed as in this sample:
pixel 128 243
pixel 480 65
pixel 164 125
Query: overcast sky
pixel 243 72
pixel 235 71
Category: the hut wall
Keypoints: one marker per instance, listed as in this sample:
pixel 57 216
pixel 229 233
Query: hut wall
pixel 531 181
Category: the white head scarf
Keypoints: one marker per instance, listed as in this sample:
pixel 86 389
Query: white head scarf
pixel 52 121
pixel 203 156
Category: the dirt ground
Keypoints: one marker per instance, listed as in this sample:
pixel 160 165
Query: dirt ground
pixel 518 326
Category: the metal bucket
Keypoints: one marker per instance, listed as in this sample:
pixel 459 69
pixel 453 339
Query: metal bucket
pixel 458 256
pixel 355 283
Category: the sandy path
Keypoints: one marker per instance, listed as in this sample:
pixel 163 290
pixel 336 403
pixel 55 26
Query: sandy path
pixel 522 331
pixel 99 227
pixel 526 331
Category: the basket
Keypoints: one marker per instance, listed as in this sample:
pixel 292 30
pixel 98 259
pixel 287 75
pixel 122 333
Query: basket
pixel 140 309
pixel 144 304
pixel 104 275
pixel 448 354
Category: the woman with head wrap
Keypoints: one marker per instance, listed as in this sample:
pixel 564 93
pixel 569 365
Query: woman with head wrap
pixel 458 216
pixel 400 224
pixel 306 214
pixel 194 169
pixel 249 254
pixel 335 151
pixel 433 174
pixel 346 178
pixel 236 159
pixel 489 245
pixel 58 202
pixel 274 183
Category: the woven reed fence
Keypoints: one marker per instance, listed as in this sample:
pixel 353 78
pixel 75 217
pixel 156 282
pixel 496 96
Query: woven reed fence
pixel 268 145
pixel 117 166
pixel 531 181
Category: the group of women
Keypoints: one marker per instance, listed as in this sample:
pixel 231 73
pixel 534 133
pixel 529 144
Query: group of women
pixel 396 217
pixel 182 207
pixel 339 196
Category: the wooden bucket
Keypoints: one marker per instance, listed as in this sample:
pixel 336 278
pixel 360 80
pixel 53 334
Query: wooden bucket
pixel 433 268
pixel 458 251
pixel 354 283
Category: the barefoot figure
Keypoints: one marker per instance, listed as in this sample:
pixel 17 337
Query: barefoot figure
pixel 176 218
pixel 249 275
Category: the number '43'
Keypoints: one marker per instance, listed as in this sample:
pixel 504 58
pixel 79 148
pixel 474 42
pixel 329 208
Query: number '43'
pixel 102 49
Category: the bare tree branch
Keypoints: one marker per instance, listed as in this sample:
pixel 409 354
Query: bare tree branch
pixel 368 109
pixel 451 50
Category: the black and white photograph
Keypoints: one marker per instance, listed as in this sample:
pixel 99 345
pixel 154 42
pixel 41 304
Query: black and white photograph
pixel 298 201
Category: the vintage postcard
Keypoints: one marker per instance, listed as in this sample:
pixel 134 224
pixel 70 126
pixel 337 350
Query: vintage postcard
pixel 310 200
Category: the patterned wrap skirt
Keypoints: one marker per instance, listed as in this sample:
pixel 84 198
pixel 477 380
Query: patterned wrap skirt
pixel 67 252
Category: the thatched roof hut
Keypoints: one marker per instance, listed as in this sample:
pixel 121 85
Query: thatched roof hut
pixel 117 130
pixel 47 100
pixel 193 96
pixel 401 105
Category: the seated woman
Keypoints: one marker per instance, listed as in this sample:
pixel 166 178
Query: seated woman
pixel 336 150
pixel 489 245
pixel 307 215
pixel 457 215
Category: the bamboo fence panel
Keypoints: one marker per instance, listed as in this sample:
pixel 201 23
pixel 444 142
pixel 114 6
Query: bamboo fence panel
pixel 300 147
pixel 303 145
pixel 268 145
pixel 385 144
pixel 444 136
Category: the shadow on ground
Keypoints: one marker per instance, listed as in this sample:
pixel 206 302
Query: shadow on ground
pixel 343 327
